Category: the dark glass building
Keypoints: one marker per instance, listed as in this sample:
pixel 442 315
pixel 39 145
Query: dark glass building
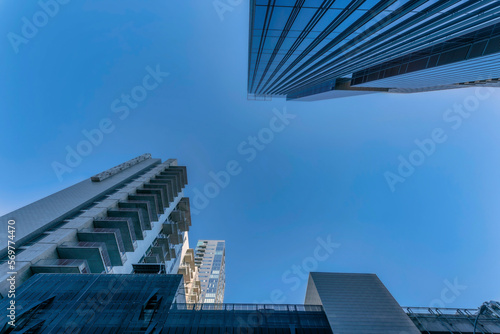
pixel 99 303
pixel 93 303
pixel 315 49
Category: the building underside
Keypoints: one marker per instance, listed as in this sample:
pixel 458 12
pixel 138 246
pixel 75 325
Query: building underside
pixel 311 50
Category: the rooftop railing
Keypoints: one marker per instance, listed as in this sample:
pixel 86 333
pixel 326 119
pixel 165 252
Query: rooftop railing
pixel 439 310
pixel 248 307
pixel 442 311
pixel 492 313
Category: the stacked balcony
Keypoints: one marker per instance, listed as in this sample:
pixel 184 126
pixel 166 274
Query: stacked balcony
pixel 172 232
pixel 135 215
pixel 61 266
pixel 192 284
pixel 124 225
pixel 95 253
pixel 200 253
pixel 113 240
pixel 157 193
pixel 189 259
pixel 194 293
pixel 154 201
pixel 187 268
pixel 182 215
pixel 113 226
pixel 161 251
pixel 145 210
pixel 163 240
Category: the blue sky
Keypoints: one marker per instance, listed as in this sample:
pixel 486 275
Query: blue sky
pixel 321 176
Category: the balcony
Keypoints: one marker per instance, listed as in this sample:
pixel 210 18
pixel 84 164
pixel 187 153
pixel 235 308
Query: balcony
pixel 95 253
pixel 124 225
pixel 163 190
pixel 111 237
pixel 153 200
pixel 168 185
pixel 145 210
pixel 60 266
pixel 162 201
pixel 181 219
pixel 135 215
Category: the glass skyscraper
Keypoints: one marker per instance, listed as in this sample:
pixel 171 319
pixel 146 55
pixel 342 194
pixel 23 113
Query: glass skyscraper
pixel 210 256
pixel 315 49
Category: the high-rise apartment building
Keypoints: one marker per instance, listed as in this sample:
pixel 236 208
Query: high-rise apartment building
pixel 210 256
pixel 318 49
pixel 130 218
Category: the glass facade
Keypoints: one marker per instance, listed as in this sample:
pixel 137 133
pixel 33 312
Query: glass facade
pixel 99 303
pixel 128 303
pixel 480 43
pixel 246 318
pixel 303 47
pixel 92 303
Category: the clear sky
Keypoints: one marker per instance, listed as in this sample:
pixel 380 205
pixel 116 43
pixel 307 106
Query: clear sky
pixel 432 239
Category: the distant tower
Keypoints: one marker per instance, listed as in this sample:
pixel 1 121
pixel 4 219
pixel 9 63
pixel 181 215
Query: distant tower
pixel 210 260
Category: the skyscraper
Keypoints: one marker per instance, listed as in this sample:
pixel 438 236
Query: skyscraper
pixel 130 218
pixel 357 303
pixel 319 49
pixel 210 257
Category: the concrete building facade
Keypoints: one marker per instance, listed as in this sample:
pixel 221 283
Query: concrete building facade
pixel 130 218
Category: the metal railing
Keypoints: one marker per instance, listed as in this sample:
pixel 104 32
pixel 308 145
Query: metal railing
pixel 443 311
pixel 248 307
